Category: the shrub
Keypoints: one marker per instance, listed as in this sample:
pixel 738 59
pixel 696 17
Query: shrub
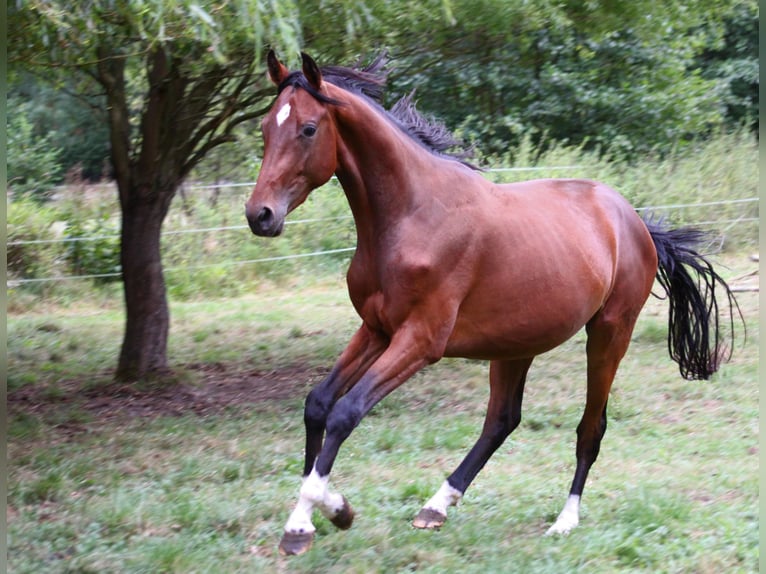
pixel 100 253
pixel 31 227
pixel 33 161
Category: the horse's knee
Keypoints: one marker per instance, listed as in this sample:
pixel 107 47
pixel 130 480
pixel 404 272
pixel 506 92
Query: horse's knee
pixel 342 419
pixel 316 409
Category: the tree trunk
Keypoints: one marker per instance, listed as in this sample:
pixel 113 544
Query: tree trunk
pixel 144 347
pixel 147 182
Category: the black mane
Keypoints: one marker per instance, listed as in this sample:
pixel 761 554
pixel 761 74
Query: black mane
pixel 369 83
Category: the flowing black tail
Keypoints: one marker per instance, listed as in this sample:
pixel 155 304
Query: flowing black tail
pixel 694 338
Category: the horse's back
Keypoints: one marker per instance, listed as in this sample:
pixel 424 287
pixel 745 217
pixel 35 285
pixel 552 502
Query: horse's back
pixel 580 211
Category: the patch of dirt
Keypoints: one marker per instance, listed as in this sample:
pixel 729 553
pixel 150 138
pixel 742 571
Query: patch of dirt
pixel 210 389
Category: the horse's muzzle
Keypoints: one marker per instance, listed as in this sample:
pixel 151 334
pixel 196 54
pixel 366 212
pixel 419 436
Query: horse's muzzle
pixel 263 221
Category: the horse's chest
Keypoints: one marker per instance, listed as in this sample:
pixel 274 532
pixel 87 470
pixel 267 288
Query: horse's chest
pixel 369 300
pixel 384 291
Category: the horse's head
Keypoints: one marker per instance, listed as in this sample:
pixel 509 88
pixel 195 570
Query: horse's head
pixel 299 151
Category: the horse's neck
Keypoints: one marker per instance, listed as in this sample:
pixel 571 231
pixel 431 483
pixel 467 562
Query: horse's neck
pixel 379 168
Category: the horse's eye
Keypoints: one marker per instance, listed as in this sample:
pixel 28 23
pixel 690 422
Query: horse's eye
pixel 309 130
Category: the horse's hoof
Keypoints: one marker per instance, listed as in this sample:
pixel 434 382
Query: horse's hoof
pixel 294 543
pixel 429 518
pixel 345 516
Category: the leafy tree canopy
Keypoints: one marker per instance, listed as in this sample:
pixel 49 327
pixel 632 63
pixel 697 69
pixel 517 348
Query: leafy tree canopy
pixel 68 33
pixel 625 77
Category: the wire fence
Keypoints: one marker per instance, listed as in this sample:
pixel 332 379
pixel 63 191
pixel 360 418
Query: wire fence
pixel 655 208
pixel 726 222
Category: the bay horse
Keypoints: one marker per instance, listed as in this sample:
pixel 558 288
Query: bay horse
pixel 449 264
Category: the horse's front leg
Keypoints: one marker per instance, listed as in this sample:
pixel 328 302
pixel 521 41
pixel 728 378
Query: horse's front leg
pixel 314 493
pixel 405 355
pixel 363 349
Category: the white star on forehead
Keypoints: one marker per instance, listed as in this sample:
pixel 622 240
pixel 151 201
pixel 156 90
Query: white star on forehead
pixel 283 114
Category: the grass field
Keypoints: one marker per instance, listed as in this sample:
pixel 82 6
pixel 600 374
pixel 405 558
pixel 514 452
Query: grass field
pixel 201 476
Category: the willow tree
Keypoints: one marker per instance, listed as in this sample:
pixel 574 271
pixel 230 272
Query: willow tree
pixel 174 79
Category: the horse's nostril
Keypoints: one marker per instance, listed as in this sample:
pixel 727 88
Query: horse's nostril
pixel 263 221
pixel 265 215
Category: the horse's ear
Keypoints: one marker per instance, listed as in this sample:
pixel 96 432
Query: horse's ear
pixel 277 70
pixel 311 71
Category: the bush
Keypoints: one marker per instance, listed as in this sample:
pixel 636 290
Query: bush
pixel 100 255
pixel 33 161
pixel 31 229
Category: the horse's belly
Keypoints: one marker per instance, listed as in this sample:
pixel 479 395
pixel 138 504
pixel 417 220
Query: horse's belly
pixel 512 343
pixel 523 327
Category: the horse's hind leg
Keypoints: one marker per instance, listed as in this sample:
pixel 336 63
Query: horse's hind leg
pixel 608 338
pixel 503 416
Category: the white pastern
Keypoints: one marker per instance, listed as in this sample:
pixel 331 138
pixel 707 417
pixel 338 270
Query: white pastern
pixel 331 505
pixel 283 114
pixel 313 493
pixel 569 517
pixel 444 497
pixel 300 518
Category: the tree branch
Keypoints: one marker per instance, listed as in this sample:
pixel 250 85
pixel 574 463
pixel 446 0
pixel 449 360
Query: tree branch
pixel 111 75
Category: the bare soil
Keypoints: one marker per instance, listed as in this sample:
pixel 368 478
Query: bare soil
pixel 202 389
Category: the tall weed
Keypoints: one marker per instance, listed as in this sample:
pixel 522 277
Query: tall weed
pixel 712 172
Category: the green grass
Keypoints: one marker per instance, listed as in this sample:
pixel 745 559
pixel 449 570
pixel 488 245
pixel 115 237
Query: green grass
pixel 674 490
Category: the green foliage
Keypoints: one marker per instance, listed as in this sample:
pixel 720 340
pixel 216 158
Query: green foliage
pixel 71 31
pixel 734 62
pixel 34 160
pixel 74 124
pixel 30 226
pixel 99 254
pixel 505 74
pixel 621 78
pixel 67 236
